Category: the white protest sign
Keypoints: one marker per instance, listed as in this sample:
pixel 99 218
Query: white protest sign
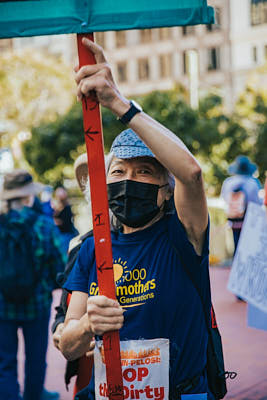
pixel 145 369
pixel 248 277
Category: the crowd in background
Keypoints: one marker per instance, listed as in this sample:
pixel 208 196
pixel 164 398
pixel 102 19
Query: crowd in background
pixel 36 226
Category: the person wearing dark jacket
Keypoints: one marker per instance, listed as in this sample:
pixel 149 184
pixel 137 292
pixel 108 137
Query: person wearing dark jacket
pixel 63 217
pixel 28 309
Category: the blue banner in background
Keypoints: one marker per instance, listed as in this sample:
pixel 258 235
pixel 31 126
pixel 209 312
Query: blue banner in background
pixel 51 17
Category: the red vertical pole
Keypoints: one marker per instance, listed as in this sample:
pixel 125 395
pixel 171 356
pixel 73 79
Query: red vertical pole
pixel 101 225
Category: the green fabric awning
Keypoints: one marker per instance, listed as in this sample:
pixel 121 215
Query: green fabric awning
pixel 50 17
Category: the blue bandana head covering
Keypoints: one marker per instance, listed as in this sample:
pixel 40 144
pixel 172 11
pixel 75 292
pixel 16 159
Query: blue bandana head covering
pixel 128 145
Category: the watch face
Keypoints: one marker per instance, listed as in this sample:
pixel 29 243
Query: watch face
pixel 136 105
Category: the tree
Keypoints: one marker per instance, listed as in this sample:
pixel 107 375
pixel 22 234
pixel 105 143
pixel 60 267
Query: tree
pixel 212 135
pixel 37 94
pixel 34 87
pixel 65 140
pixel 54 145
pixel 252 113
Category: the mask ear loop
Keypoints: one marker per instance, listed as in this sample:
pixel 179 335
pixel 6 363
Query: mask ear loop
pixel 167 204
pixel 164 201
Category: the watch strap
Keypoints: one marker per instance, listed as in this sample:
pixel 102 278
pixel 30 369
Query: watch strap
pixel 133 110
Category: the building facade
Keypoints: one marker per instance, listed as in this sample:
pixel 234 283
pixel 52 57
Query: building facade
pixel 248 38
pixel 157 59
pixel 225 53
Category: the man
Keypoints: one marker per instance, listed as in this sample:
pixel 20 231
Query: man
pixel 31 255
pixel 160 219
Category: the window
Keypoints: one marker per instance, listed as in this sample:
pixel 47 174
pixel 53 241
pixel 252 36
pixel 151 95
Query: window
pixel 100 38
pixel 190 62
pixel 255 54
pixel 209 27
pixel 165 65
pixel 258 12
pixel 217 24
pixel 122 71
pixel 143 68
pixel 120 38
pixel 213 58
pixel 164 33
pixel 188 30
pixel 6 44
pixel 185 63
pixel 145 35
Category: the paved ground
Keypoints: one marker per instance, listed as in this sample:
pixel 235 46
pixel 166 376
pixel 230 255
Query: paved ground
pixel 245 348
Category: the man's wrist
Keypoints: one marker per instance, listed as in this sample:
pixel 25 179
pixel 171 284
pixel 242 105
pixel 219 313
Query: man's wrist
pixel 120 106
pixel 85 326
pixel 58 321
pixel 133 109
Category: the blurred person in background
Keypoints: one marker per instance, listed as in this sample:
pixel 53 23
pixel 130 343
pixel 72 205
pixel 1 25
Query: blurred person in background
pixel 82 366
pixel 63 217
pixel 46 198
pixel 37 205
pixel 30 259
pixel 237 191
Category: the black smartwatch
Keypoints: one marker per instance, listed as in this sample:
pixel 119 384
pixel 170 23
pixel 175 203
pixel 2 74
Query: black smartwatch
pixel 133 110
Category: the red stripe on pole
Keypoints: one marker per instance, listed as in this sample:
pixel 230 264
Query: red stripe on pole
pixel 101 225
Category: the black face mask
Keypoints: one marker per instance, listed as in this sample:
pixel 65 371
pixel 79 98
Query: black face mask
pixel 133 203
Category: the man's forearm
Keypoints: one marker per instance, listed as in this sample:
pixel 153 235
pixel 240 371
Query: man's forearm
pixel 166 146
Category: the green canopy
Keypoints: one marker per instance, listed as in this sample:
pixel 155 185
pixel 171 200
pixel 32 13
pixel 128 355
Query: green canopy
pixel 49 17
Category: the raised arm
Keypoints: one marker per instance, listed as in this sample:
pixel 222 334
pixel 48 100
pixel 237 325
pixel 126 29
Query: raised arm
pixel 189 193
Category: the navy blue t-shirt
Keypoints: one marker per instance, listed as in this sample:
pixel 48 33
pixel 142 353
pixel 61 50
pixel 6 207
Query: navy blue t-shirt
pixel 160 299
